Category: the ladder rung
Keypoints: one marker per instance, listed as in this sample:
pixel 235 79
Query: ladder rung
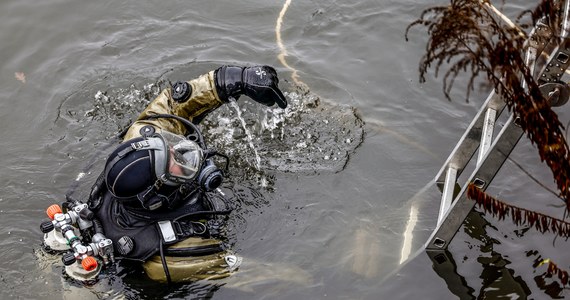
pixel 469 142
pixel 487 134
pixel 483 174
pixel 447 195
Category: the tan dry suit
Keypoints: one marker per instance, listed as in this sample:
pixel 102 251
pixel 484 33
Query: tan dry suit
pixel 203 99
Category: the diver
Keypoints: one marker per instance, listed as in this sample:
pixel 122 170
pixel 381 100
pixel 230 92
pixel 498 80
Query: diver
pixel 157 191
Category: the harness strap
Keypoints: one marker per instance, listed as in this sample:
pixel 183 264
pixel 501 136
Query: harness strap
pixel 175 231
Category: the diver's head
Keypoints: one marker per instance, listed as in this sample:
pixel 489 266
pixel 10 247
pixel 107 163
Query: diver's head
pixel 129 172
pixel 142 165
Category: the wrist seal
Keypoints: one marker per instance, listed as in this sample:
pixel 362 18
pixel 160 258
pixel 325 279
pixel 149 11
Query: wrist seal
pixel 228 82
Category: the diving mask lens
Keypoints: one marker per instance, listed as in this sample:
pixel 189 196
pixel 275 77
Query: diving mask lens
pixel 185 157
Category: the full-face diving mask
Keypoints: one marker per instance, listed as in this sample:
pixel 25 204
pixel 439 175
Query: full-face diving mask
pixel 176 159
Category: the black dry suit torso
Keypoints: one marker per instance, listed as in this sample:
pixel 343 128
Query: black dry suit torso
pixel 135 231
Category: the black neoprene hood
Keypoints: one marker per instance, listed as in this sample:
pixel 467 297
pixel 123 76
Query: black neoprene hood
pixel 131 174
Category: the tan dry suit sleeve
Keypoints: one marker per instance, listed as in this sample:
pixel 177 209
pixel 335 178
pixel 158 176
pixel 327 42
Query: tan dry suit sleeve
pixel 203 99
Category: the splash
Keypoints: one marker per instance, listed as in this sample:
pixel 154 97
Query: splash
pixel 103 107
pixel 309 136
pixel 235 106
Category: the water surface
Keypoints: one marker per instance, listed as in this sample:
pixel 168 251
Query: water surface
pixel 332 221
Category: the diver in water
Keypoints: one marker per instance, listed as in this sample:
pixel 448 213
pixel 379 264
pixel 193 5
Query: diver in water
pixel 158 189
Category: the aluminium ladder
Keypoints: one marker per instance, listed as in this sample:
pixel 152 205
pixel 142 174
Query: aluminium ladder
pixel 493 151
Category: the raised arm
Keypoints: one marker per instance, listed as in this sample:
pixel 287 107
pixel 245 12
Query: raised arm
pixel 194 99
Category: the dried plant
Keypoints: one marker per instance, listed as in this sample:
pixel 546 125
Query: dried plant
pixel 553 270
pixel 519 216
pixel 550 287
pixel 468 37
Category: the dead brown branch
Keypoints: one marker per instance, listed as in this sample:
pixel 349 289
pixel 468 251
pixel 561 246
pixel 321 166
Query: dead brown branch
pixel 467 37
pixel 520 216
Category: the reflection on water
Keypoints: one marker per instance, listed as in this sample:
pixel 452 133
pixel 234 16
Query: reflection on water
pixel 497 278
pixel 407 245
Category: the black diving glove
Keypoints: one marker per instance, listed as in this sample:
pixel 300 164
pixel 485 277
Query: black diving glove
pixel 258 82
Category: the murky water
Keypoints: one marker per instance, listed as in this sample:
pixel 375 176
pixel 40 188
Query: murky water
pixel 341 198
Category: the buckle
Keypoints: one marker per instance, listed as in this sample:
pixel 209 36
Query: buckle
pixel 167 232
pixel 140 145
pixel 149 199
